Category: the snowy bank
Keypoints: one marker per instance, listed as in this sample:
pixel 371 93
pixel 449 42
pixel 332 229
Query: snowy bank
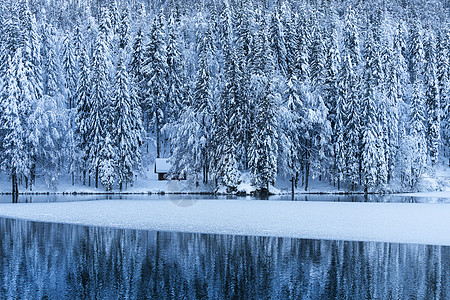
pixel 383 222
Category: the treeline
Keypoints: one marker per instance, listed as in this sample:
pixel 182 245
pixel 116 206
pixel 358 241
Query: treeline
pixel 352 92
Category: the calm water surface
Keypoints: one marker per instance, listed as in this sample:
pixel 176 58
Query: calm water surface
pixel 156 197
pixel 54 261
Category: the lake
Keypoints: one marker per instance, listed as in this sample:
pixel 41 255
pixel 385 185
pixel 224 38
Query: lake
pixel 55 261
pixel 390 198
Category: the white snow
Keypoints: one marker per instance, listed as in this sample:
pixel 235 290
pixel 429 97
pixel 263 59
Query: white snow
pixel 162 165
pixel 383 222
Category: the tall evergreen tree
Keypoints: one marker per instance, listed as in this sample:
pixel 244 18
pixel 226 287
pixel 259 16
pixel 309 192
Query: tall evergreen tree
pixel 70 67
pixel 433 106
pixel 14 156
pixel 155 69
pixel 350 85
pixel 99 120
pixel 175 71
pixel 369 122
pixel 124 143
pixel 83 109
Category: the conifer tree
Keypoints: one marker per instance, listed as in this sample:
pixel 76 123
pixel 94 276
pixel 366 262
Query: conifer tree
pixel 136 69
pixel 264 140
pixel 69 64
pixel 124 142
pixel 14 155
pixel 433 107
pixel 369 122
pixel 350 85
pixel 99 120
pixel 155 69
pixel 417 136
pixel 175 71
pixel 83 109
pixel 107 163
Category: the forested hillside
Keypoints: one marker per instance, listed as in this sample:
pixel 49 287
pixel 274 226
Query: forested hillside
pixel 354 92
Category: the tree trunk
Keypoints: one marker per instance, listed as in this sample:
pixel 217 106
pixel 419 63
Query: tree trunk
pixel 306 175
pixel 293 187
pixel 120 186
pixel 158 150
pixel 15 187
pixel 96 177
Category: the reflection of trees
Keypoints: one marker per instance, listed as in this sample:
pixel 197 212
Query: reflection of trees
pixel 64 261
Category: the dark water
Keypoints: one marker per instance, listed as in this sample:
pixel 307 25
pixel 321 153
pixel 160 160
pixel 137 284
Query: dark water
pixel 53 261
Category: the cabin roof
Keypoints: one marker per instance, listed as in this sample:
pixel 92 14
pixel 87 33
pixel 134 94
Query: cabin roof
pixel 162 165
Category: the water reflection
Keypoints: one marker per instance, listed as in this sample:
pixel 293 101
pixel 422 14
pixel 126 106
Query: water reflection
pixel 29 198
pixel 39 260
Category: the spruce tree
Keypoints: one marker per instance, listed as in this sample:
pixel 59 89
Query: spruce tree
pixel 155 69
pixel 175 71
pixel 433 106
pixel 14 155
pixel 123 142
pixel 350 85
pixel 83 109
pixel 99 120
pixel 69 64
pixel 369 122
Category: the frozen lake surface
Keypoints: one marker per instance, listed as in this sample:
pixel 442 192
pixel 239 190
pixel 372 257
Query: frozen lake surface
pixel 61 261
pixel 422 223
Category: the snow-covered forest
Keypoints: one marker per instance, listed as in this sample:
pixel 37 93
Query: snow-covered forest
pixel 353 92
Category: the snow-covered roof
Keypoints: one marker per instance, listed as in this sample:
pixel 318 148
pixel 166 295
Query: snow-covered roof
pixel 162 165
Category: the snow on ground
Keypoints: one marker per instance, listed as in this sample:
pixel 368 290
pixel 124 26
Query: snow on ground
pixel 383 222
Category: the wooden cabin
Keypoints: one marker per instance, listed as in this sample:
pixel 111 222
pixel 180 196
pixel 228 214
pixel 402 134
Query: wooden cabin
pixel 162 168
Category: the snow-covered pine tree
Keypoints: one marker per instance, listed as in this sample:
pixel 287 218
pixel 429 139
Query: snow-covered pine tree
pixel 14 155
pixel 333 98
pixel 229 111
pixel 443 74
pixel 31 83
pixel 350 78
pixel 136 69
pixel 70 67
pixel 47 121
pixel 155 69
pixel 291 118
pixel 417 152
pixel 264 139
pixel 123 142
pixel 371 153
pixel 202 105
pixel 277 41
pixel 99 114
pixel 83 109
pixel 433 106
pixel 175 69
pixel 318 59
pixel 107 163
pixel 70 77
pixel 303 67
pixel 245 23
pixel 263 147
pixel 396 81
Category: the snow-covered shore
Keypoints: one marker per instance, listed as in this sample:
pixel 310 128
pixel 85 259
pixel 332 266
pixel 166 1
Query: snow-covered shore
pixel 382 222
